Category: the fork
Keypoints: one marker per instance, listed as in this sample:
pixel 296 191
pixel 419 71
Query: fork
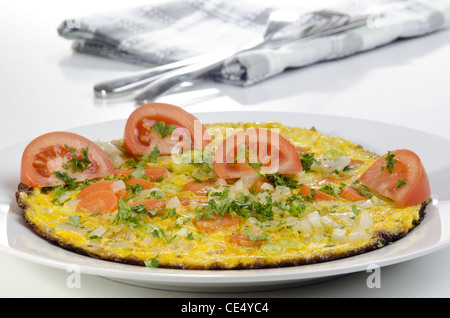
pixel 277 21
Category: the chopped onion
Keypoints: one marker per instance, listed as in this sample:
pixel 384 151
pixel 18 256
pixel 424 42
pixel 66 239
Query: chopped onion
pixel 249 181
pixel 339 235
pixel 267 186
pixel 337 164
pixel 377 201
pixel 364 204
pixel 146 194
pixel 125 245
pixel 365 221
pixel 356 236
pixel 271 249
pixel 70 228
pixel 284 190
pixel 220 182
pixel 99 231
pixel 326 220
pixel 173 202
pixel 117 186
pixel 303 226
pixel 314 219
pixel 182 232
pixel 63 198
pixel 72 203
pixel 114 153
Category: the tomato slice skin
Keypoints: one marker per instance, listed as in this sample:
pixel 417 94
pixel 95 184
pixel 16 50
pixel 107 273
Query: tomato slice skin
pixel 274 150
pixel 139 138
pixel 408 167
pixel 47 153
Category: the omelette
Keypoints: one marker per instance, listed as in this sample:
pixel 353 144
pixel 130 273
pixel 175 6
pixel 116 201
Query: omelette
pixel 304 198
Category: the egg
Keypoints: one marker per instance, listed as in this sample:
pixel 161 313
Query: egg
pixel 230 225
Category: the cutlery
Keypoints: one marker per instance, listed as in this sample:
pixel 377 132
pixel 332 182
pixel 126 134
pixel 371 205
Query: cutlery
pixel 277 20
pixel 170 79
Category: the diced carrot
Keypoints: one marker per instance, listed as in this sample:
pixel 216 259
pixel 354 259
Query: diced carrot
pixel 256 187
pixel 305 191
pixel 155 173
pixel 99 186
pixel 351 194
pixel 199 188
pixel 241 240
pixel 146 184
pixel 185 201
pixel 102 201
pixel 219 223
pixel 151 204
pixel 355 162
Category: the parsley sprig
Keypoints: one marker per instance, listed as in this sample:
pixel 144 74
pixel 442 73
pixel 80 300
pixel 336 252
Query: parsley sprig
pixel 76 164
pixel 276 178
pixel 390 162
pixel 162 129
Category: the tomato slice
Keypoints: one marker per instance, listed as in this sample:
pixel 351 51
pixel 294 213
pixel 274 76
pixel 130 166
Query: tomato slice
pixel 141 135
pixel 400 176
pixel 54 151
pixel 242 153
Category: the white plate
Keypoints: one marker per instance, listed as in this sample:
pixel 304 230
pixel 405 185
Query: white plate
pixel 432 234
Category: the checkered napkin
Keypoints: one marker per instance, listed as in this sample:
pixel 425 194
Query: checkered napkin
pixel 172 30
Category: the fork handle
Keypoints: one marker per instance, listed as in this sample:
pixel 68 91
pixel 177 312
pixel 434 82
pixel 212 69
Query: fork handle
pixel 166 81
pixel 126 84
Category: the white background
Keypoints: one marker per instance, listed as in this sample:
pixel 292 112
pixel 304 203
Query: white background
pixel 44 86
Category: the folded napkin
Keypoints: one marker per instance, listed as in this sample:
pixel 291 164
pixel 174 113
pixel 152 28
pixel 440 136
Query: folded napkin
pixel 172 30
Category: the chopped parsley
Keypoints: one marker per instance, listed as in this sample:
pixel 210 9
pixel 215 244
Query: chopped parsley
pixel 362 189
pixel 75 220
pixel 162 234
pixel 390 162
pixel 278 180
pixel 400 183
pixel 355 210
pixel 76 164
pixel 151 157
pixel 329 189
pixel 243 205
pixel 264 235
pixel 68 180
pixel 127 214
pixel 162 129
pixel 151 262
pixel 307 161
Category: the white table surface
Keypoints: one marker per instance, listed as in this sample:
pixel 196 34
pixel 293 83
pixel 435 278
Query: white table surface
pixel 44 86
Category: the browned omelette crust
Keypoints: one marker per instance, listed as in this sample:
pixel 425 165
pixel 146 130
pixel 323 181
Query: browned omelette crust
pixel 380 239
